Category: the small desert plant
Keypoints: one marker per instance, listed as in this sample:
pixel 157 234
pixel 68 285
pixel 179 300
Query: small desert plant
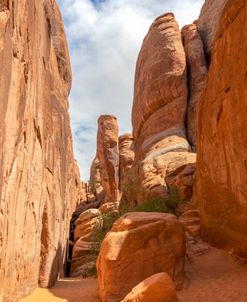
pixel 166 204
pixel 108 220
pixel 154 204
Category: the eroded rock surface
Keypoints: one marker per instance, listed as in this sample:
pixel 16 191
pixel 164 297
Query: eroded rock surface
pixel 126 157
pixel 158 288
pixel 138 246
pixel 159 108
pixel 88 226
pixel 208 22
pixel 95 183
pixel 108 156
pixel 38 174
pixel 222 138
pixel 197 73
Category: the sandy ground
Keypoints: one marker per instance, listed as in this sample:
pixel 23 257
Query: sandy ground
pixel 213 277
pixel 67 290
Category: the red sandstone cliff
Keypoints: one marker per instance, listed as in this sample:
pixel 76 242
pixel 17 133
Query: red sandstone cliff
pixel 38 173
pixel 221 177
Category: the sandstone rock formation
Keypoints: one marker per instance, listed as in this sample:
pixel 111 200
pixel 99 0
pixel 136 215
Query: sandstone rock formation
pixel 108 156
pixel 197 72
pixel 126 157
pixel 159 108
pixel 138 246
pixel 222 138
pixel 38 174
pixel 158 288
pixel 191 221
pixel 88 226
pixel 208 22
pixel 95 182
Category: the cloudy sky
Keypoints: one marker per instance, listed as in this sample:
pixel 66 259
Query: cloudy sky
pixel 104 38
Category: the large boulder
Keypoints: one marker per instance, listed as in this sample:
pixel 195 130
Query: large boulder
pixel 222 138
pixel 39 178
pixel 138 246
pixel 158 288
pixel 108 156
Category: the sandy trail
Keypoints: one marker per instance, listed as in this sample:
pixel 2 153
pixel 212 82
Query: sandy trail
pixel 214 277
pixel 67 290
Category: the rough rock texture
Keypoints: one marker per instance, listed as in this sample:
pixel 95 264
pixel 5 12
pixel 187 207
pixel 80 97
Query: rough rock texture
pixel 182 177
pixel 197 73
pixel 158 288
pixel 38 174
pixel 222 138
pixel 95 182
pixel 126 157
pixel 139 245
pixel 191 221
pixel 83 192
pixel 108 156
pixel 208 22
pixel 87 228
pixel 159 108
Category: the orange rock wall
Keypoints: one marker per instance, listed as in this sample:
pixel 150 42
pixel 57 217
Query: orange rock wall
pixel 38 174
pixel 108 156
pixel 221 176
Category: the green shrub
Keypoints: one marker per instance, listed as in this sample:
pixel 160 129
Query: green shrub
pixel 153 204
pixel 167 204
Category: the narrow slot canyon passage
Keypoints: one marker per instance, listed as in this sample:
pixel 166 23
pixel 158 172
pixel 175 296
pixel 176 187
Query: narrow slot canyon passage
pixel 155 208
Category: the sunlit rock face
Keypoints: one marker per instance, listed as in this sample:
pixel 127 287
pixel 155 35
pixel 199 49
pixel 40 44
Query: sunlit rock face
pixel 138 246
pixel 38 173
pixel 222 138
pixel 108 156
pixel 160 107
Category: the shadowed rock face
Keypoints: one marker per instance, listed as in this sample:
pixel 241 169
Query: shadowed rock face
pixel 160 106
pixel 38 174
pixel 126 157
pixel 222 138
pixel 197 73
pixel 95 180
pixel 108 156
pixel 208 22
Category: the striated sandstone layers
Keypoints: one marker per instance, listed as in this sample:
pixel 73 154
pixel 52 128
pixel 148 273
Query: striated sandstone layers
pixel 108 156
pixel 208 22
pixel 159 108
pixel 222 138
pixel 197 73
pixel 38 174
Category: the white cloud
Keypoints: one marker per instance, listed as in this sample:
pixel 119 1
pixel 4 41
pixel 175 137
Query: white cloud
pixel 104 41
